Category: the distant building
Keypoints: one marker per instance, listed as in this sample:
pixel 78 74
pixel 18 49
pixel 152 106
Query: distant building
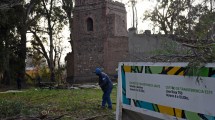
pixel 101 39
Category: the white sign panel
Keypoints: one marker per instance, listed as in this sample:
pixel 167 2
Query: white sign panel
pixel 183 92
pixel 167 91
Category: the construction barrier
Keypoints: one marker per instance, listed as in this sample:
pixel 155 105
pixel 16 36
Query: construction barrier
pixel 167 91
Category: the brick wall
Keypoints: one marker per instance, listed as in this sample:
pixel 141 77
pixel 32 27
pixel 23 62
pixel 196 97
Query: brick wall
pixel 92 48
pixel 115 51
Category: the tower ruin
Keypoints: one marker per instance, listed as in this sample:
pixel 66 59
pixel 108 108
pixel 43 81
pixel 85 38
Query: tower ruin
pixel 99 38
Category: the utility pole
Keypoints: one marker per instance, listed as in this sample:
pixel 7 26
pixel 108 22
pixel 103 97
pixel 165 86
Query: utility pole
pixel 134 11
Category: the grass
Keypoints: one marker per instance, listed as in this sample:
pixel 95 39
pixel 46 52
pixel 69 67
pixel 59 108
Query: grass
pixel 71 104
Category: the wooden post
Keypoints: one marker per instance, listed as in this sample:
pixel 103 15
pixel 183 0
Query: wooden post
pixel 119 95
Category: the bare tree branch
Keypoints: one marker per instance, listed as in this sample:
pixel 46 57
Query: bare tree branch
pixel 41 46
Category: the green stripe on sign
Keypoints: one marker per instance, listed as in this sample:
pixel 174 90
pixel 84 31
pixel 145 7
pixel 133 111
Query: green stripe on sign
pixel 154 69
pixel 192 116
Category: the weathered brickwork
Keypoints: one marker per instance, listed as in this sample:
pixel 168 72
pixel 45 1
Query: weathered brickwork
pixel 115 50
pixel 100 38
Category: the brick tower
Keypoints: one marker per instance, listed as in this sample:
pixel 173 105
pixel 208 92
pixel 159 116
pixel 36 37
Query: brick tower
pixel 100 38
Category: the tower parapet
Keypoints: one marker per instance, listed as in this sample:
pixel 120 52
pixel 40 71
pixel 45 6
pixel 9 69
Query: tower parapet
pixel 86 2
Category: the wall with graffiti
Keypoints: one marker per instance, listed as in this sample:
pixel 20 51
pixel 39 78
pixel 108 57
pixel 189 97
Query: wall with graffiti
pixel 187 91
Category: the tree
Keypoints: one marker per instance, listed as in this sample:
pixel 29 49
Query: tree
pixel 8 41
pixel 188 21
pixel 68 8
pixel 17 19
pixel 27 18
pixel 174 16
pixel 53 19
pixel 210 2
pixel 17 16
pixel 204 29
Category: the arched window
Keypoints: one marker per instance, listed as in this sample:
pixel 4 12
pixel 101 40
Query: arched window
pixel 89 24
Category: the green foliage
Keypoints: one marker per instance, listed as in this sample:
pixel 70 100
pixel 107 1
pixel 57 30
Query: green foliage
pixel 54 19
pixel 9 43
pixel 204 27
pixel 44 73
pixel 181 17
pixel 67 6
pixel 16 20
pixel 168 15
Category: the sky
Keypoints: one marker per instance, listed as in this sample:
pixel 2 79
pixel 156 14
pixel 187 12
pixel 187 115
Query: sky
pixel 141 6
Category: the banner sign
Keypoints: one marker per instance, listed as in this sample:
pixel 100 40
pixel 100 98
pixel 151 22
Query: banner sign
pixel 169 89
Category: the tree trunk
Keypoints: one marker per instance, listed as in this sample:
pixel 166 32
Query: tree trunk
pixel 23 52
pixel 72 43
pixel 52 77
pixel 23 31
pixel 6 59
pixel 1 57
pixel 50 32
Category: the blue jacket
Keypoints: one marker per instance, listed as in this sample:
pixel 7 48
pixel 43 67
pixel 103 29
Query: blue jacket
pixel 105 82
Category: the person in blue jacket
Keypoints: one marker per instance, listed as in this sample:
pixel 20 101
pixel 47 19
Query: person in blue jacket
pixel 106 85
